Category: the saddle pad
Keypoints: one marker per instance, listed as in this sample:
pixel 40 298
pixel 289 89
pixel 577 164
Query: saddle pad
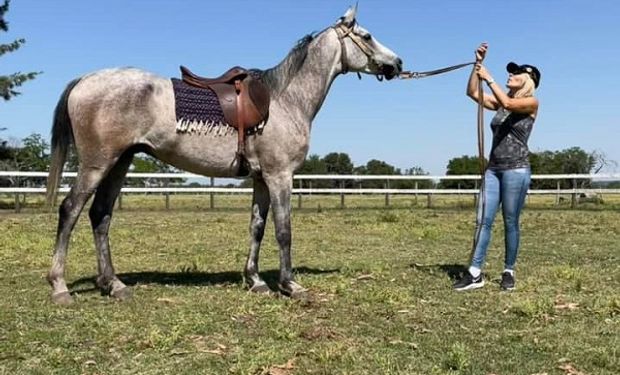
pixel 197 110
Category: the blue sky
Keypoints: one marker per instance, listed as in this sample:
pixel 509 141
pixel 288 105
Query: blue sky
pixel 405 123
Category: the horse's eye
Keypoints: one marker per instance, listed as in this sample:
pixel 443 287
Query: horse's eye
pixel 367 37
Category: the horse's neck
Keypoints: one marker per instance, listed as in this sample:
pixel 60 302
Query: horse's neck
pixel 310 86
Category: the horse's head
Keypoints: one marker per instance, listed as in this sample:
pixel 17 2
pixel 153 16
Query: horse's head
pixel 362 52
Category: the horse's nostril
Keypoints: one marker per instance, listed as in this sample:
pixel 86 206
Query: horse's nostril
pixel 399 65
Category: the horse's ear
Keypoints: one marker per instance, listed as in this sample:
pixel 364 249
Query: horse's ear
pixel 349 17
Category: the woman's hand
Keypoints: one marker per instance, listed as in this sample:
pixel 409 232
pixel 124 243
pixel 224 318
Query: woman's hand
pixel 483 73
pixel 481 52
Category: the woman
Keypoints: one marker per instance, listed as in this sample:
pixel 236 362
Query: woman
pixel 507 177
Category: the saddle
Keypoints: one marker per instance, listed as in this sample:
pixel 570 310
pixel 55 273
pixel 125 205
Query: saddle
pixel 243 98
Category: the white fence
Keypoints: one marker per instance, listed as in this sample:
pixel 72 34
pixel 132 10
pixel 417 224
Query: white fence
pixel 342 191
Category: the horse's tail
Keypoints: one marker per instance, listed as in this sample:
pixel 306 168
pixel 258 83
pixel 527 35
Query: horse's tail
pixel 62 138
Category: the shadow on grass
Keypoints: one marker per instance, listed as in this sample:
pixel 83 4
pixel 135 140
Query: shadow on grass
pixel 193 278
pixel 454 271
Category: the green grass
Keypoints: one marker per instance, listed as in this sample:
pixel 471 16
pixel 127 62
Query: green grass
pixel 380 293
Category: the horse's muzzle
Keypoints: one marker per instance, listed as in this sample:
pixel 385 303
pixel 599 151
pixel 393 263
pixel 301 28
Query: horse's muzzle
pixel 390 71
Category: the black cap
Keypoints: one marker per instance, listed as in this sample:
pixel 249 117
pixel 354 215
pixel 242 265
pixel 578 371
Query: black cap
pixel 533 71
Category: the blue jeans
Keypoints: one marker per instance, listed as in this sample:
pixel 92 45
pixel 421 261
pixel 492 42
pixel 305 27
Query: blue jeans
pixel 508 187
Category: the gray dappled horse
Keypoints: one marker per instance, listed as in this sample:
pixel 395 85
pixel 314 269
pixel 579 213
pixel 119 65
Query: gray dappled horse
pixel 112 114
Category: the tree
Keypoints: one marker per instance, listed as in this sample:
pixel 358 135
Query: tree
pixel 377 167
pixel 33 154
pixel 410 184
pixel 29 154
pixel 12 81
pixel 148 164
pixel 567 161
pixel 602 161
pixel 338 163
pixel 6 161
pixel 463 165
pixel 5 150
pixel 313 165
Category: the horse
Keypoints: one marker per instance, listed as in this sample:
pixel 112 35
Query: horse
pixel 112 114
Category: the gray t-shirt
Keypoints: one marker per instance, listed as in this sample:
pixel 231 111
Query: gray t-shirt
pixel 511 132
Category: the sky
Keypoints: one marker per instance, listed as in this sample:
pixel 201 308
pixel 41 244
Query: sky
pixel 406 123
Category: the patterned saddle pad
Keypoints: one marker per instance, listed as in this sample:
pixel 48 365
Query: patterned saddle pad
pixel 197 110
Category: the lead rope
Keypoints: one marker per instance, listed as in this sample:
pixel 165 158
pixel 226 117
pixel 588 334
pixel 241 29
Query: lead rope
pixel 417 75
pixel 482 168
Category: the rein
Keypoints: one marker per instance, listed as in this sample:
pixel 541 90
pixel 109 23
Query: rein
pixel 416 75
pixel 481 161
pixel 480 129
pixel 481 166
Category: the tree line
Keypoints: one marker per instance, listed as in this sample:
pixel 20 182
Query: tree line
pixel 340 163
pixel 572 160
pixel 32 153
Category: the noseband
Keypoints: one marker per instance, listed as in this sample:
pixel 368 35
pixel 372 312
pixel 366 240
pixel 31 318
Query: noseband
pixel 343 32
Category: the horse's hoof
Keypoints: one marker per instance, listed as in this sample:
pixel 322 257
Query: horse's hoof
pixel 293 290
pixel 260 288
pixel 122 294
pixel 62 298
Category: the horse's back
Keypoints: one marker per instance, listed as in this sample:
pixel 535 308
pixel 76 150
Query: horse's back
pixel 116 108
pixel 119 85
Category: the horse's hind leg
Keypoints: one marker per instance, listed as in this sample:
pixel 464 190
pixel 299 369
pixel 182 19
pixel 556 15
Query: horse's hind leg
pixel 87 181
pixel 100 217
pixel 260 209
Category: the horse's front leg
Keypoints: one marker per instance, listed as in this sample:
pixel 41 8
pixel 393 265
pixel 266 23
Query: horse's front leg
pixel 260 209
pixel 280 193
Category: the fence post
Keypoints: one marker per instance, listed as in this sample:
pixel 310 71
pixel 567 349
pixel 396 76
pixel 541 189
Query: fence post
pixel 120 200
pixel 299 195
pixel 429 200
pixel 167 194
pixel 573 200
pixel 387 195
pixel 476 195
pixel 17 203
pixel 557 195
pixel 211 195
pixel 416 193
pixel 342 194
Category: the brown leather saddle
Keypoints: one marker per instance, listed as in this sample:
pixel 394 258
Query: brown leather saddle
pixel 244 99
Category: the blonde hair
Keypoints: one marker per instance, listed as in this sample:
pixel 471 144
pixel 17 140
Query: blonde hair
pixel 528 88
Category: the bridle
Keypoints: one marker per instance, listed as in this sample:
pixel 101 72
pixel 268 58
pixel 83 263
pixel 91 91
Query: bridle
pixel 343 31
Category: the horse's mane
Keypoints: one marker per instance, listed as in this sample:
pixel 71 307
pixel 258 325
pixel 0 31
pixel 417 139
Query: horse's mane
pixel 278 77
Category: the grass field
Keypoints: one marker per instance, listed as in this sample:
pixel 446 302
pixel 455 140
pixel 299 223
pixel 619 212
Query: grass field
pixel 380 298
